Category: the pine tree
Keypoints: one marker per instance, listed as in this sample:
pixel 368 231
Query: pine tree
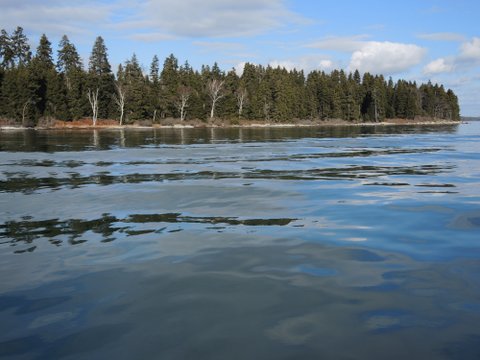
pixel 169 85
pixel 136 102
pixel 7 52
pixel 70 67
pixel 21 47
pixel 44 52
pixel 101 78
pixel 46 95
pixel 228 106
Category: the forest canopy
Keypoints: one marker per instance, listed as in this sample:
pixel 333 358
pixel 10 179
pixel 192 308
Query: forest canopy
pixel 34 87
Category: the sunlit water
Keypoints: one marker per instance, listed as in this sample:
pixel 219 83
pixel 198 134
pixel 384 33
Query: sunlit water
pixel 312 243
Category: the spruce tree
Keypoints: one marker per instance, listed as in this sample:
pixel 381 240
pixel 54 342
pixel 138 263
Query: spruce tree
pixel 169 86
pixel 136 89
pixel 70 67
pixel 21 47
pixel 42 81
pixel 7 52
pixel 101 78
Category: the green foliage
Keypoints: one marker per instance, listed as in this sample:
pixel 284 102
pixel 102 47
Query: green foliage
pixel 33 88
pixel 70 69
pixel 100 77
pixel 135 85
pixel 169 83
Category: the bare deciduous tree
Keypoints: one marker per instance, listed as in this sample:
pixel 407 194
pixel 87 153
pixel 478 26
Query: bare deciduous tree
pixel 214 88
pixel 119 99
pixel 24 110
pixel 93 99
pixel 184 93
pixel 241 97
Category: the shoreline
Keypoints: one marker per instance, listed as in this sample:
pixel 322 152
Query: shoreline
pixel 236 126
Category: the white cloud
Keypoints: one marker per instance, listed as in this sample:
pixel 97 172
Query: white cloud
pixel 374 56
pixel 470 50
pixel 53 17
pixel 468 56
pixel 438 66
pixel 442 36
pixel 150 19
pixel 386 57
pixel 216 18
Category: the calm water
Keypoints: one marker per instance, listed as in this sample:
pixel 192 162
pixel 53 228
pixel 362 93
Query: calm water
pixel 360 243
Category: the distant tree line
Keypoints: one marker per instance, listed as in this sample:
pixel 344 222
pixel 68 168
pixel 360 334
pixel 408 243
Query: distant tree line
pixel 33 87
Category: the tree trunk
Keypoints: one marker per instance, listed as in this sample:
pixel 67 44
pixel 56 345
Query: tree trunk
pixel 120 100
pixel 214 88
pixel 241 95
pixel 25 106
pixel 93 99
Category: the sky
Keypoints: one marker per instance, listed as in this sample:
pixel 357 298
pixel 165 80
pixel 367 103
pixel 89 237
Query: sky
pixel 416 40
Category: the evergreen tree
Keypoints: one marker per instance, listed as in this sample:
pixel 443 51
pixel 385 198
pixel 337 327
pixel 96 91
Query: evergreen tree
pixel 47 95
pixel 155 70
pixel 70 67
pixel 136 106
pixel 21 47
pixel 44 52
pixel 169 85
pixel 101 78
pixel 154 87
pixel 7 52
pixel 228 106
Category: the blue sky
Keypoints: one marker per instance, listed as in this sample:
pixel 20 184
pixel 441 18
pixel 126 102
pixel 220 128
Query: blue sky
pixel 437 40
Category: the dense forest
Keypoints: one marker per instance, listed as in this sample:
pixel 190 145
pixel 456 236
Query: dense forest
pixel 33 89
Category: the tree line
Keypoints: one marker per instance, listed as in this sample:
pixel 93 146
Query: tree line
pixel 33 87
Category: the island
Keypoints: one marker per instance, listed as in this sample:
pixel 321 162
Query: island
pixel 37 92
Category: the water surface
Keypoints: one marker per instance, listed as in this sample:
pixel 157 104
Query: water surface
pixel 345 243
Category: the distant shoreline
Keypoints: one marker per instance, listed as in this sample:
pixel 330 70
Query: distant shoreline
pixel 328 123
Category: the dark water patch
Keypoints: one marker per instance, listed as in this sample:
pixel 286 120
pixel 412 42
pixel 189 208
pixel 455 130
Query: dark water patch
pixel 179 218
pixel 85 140
pixel 468 348
pixel 386 184
pixel 20 346
pixel 28 184
pixel 438 192
pixel 109 227
pixel 437 185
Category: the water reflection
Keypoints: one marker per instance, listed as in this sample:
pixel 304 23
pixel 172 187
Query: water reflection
pixel 77 140
pixel 244 243
pixel 110 227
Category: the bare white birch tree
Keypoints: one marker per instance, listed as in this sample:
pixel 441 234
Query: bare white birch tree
pixel 119 99
pixel 93 99
pixel 214 88
pixel 241 97
pixel 184 93
pixel 24 110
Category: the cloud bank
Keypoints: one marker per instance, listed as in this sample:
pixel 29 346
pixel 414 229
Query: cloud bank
pixel 386 57
pixel 216 18
pixel 468 57
pixel 374 56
